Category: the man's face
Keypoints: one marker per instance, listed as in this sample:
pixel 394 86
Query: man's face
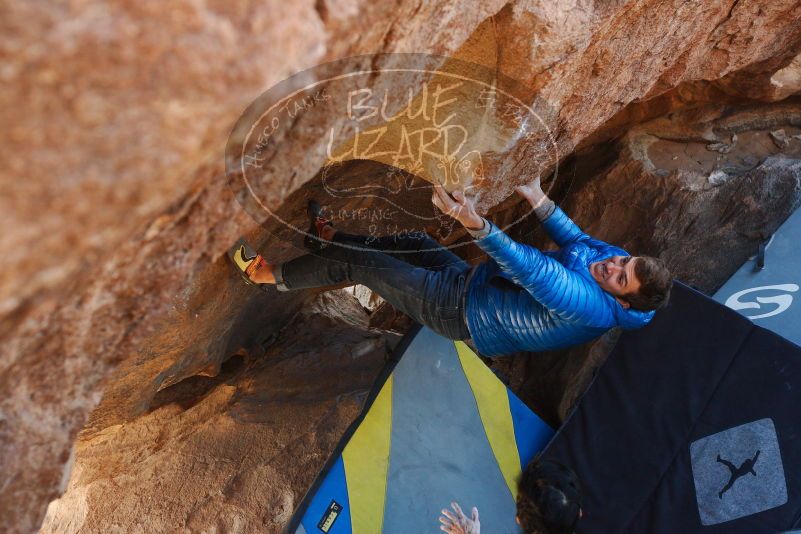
pixel 616 276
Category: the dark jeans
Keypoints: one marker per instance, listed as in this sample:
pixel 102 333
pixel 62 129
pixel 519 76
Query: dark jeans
pixel 415 274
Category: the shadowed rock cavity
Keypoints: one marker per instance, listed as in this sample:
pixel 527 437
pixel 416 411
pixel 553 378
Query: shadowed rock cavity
pixel 204 404
pixel 668 189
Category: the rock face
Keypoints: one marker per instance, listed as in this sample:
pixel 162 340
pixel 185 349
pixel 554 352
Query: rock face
pixel 205 405
pixel 232 453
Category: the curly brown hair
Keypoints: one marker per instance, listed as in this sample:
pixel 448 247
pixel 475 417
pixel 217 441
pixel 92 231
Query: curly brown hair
pixel 655 283
pixel 548 499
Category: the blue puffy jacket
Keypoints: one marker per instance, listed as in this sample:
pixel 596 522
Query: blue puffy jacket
pixel 524 299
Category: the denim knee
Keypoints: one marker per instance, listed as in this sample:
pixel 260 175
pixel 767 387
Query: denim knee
pixel 278 274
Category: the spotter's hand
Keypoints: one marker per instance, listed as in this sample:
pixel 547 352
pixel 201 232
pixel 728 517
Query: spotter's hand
pixel 458 523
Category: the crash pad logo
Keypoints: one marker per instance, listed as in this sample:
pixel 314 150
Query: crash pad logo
pixel 366 137
pixel 330 515
pixel 777 298
pixel 738 472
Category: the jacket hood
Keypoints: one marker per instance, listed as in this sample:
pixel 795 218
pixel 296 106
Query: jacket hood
pixel 629 318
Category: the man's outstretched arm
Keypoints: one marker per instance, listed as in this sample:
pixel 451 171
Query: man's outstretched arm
pixel 562 291
pixel 561 228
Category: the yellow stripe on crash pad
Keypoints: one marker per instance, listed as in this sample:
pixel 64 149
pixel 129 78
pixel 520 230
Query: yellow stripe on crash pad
pixel 366 459
pixel 492 399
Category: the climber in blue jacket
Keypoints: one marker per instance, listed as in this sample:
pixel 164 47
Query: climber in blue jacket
pixel 521 299
pixel 569 296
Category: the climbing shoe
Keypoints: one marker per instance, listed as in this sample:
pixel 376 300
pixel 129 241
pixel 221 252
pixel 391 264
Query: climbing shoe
pixel 246 261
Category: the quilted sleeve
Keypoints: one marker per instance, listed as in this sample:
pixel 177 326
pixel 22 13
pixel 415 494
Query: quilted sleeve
pixel 563 231
pixel 564 292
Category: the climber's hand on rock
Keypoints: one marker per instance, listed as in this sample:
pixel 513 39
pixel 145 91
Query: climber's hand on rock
pixel 457 206
pixel 532 192
pixel 458 523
